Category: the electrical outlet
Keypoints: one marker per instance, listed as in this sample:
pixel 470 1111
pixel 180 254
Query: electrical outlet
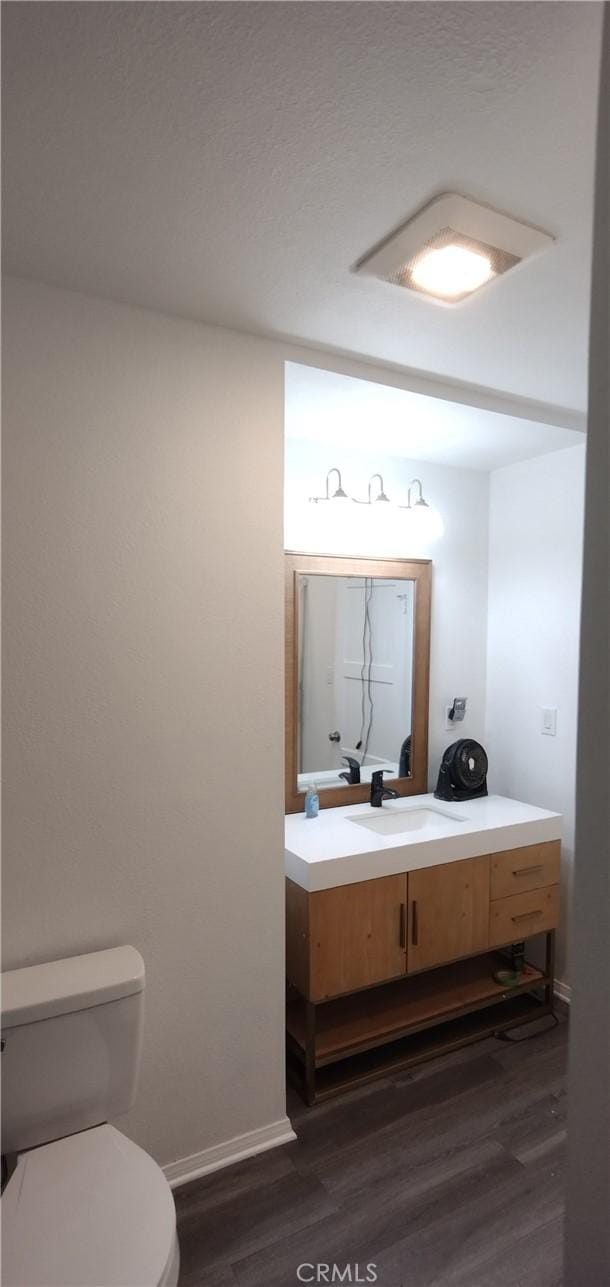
pixel 548 721
pixel 458 709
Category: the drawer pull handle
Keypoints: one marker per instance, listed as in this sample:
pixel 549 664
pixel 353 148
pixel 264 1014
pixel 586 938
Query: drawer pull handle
pixel 414 924
pixel 527 916
pixel 527 871
pixel 403 924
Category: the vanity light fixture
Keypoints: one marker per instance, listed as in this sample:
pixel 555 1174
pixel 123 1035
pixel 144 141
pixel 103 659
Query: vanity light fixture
pixel 415 482
pixel 338 494
pixel 453 247
pixel 381 496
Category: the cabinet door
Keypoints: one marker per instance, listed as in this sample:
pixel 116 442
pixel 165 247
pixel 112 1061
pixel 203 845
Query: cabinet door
pixel 357 935
pixel 448 912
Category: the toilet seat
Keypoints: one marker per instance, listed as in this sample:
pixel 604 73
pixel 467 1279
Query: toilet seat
pixel 89 1210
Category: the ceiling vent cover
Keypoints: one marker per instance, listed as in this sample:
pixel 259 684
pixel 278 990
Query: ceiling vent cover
pixel 452 248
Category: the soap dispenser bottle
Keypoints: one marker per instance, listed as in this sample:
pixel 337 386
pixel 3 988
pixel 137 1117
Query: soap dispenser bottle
pixel 312 801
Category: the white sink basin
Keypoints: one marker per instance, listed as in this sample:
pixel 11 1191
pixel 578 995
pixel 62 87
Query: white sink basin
pixel 390 822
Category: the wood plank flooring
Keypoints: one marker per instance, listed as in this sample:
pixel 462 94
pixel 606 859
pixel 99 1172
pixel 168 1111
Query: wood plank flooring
pixel 449 1175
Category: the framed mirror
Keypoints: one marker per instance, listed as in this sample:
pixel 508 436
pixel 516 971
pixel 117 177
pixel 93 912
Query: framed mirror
pixel 357 676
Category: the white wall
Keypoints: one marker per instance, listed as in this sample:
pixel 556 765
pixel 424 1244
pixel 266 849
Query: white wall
pixel 458 654
pixel 143 662
pixel 535 570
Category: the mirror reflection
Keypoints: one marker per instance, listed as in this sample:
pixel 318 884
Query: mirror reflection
pixel 355 677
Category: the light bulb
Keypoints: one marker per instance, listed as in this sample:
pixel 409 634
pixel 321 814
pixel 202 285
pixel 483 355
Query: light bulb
pixel 451 271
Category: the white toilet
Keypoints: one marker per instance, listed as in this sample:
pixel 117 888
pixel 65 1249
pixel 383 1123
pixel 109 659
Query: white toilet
pixel 84 1206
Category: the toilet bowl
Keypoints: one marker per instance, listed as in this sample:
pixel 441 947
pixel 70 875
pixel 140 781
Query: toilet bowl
pixel 91 1210
pixel 84 1205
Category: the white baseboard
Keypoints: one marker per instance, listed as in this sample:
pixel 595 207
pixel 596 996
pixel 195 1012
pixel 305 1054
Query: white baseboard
pixel 219 1155
pixel 563 991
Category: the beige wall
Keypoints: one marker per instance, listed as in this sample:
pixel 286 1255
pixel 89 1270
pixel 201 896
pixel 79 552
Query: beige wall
pixel 143 669
pixel 143 666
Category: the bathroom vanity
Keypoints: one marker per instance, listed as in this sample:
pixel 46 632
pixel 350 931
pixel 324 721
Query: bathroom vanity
pixel 400 917
pixel 396 925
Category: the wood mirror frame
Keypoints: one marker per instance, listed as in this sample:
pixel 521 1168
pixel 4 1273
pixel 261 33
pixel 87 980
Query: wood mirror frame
pixel 418 570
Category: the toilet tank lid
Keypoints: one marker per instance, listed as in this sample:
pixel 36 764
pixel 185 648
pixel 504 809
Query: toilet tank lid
pixel 75 983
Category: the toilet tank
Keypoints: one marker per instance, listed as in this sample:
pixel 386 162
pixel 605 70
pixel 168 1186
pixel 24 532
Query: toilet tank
pixel 71 1041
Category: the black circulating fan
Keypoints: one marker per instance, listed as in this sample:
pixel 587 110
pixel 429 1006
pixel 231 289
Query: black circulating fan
pixel 463 771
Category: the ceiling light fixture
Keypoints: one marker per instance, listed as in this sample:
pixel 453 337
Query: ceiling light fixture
pixel 452 248
pixel 338 494
pixel 381 496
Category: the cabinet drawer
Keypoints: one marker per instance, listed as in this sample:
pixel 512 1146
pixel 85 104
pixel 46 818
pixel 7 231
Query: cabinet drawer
pixel 521 915
pixel 533 867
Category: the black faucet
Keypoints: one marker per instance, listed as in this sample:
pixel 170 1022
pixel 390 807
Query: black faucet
pixel 353 775
pixel 379 792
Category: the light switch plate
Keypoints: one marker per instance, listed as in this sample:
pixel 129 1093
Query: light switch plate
pixel 548 721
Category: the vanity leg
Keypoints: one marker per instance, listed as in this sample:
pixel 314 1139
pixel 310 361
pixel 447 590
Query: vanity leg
pixel 549 969
pixel 310 1053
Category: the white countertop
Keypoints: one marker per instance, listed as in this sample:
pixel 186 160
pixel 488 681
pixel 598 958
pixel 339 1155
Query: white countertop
pixel 333 850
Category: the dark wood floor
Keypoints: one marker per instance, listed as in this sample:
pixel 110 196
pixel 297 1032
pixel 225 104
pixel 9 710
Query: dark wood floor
pixel 450 1175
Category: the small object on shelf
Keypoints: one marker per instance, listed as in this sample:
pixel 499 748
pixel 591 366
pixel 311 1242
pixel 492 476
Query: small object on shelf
pixel 509 978
pixel 512 977
pixel 312 801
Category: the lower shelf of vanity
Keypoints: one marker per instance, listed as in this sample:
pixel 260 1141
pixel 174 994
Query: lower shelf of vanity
pixel 366 1034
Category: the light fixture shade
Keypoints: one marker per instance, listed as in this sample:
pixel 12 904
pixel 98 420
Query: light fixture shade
pixel 381 495
pixel 339 492
pixel 452 248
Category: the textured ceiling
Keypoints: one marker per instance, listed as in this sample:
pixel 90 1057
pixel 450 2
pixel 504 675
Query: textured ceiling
pixel 343 412
pixel 230 162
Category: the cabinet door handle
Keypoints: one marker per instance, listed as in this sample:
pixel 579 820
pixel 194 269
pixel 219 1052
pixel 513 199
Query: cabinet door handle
pixel 527 916
pixel 403 924
pixel 527 871
pixel 414 924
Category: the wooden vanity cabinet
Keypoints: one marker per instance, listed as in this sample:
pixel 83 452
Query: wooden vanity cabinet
pixel 354 936
pixel 380 960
